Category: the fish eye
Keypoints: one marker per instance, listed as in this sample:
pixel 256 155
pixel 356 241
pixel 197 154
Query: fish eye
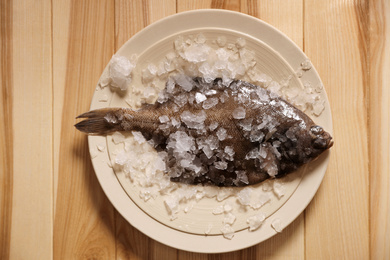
pixel 317 130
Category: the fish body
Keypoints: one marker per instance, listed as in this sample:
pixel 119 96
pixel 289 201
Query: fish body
pixel 209 133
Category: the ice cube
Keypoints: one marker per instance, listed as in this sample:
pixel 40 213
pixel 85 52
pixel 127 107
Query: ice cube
pixel 118 137
pixel 164 119
pixel 213 126
pixel 244 196
pixel 185 82
pixel 220 165
pixel 120 72
pixel 209 103
pixel 306 65
pixel 221 134
pixel 239 113
pixel 218 210
pixel 101 147
pixel 138 137
pixel 227 231
pixel 199 97
pixel 229 219
pixel 277 225
pixel 256 221
pixel 279 189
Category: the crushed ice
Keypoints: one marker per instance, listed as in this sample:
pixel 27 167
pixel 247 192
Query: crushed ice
pixel 194 57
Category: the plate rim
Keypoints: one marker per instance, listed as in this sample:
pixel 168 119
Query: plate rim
pixel 200 243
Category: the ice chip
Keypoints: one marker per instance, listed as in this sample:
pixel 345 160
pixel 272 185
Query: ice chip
pixel 218 210
pixel 244 196
pixel 213 126
pixel 164 119
pixel 256 221
pixel 227 231
pixel 209 103
pixel 138 137
pixel 239 113
pixel 221 134
pixel 199 97
pixel 120 72
pixel 277 225
pixel 118 137
pixel 229 219
pixel 220 165
pixel 279 189
pixel 184 81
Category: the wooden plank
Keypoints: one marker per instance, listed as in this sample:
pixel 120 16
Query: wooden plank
pixel 6 128
pixel 27 96
pixel 379 130
pixel 60 44
pixel 84 218
pixel 286 16
pixel 131 17
pixel 337 220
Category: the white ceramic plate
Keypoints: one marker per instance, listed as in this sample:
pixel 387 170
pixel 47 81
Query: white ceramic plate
pixel 278 57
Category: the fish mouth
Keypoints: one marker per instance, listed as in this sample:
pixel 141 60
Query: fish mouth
pixel 330 143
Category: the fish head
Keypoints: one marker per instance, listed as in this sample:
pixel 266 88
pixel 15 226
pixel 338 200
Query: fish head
pixel 320 139
pixel 308 144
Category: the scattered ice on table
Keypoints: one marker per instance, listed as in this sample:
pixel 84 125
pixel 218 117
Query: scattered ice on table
pixel 255 221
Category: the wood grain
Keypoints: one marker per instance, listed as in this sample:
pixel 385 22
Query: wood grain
pixel 379 129
pixel 31 137
pixel 52 54
pixel 6 128
pixel 84 219
pixel 60 21
pixel 337 224
pixel 131 17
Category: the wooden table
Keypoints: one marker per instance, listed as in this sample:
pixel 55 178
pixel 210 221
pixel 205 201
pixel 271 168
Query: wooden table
pixel 52 54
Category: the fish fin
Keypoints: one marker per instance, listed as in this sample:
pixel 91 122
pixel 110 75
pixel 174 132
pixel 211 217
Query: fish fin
pixel 101 121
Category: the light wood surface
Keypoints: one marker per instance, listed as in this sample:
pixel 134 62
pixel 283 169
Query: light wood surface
pixel 52 54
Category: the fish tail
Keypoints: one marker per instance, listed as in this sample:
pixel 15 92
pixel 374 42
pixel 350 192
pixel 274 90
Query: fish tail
pixel 103 121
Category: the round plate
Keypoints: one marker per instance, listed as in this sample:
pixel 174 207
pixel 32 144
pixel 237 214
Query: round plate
pixel 151 44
